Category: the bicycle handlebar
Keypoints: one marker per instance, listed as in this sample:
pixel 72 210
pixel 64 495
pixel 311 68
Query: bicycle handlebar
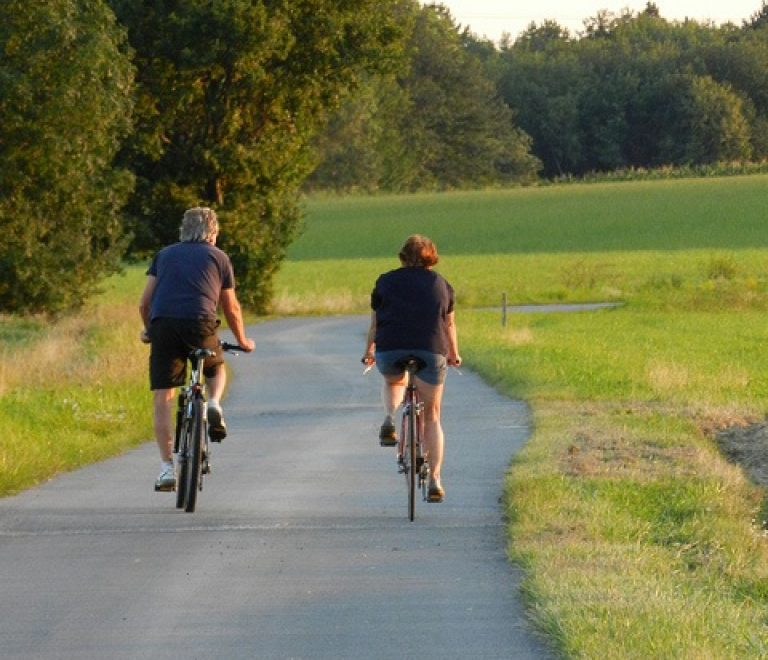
pixel 231 348
pixel 369 366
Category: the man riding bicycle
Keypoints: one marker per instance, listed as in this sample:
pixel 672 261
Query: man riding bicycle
pixel 186 284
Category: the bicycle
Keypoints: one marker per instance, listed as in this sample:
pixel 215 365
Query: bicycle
pixel 412 456
pixel 191 443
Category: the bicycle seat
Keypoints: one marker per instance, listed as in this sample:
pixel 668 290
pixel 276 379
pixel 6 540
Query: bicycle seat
pixel 411 361
pixel 199 353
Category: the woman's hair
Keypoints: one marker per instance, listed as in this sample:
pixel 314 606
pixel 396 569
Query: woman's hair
pixel 418 252
pixel 198 225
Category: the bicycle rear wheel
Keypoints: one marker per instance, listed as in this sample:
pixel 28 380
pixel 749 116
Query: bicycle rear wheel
pixel 194 455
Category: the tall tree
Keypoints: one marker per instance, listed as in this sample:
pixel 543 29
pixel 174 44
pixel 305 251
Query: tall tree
pixel 740 61
pixel 467 132
pixel 65 89
pixel 230 94
pixel 718 126
pixel 543 83
pixel 439 123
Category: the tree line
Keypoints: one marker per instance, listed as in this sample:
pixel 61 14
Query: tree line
pixel 116 115
pixel 638 91
pixel 631 91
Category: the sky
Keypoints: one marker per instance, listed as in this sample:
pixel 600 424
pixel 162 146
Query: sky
pixel 491 18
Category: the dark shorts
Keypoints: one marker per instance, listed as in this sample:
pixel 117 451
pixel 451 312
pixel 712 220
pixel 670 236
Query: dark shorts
pixel 432 374
pixel 172 342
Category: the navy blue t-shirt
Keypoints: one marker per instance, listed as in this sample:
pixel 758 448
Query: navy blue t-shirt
pixel 190 279
pixel 411 306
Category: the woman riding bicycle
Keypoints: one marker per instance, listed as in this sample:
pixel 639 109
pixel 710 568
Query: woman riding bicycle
pixel 413 315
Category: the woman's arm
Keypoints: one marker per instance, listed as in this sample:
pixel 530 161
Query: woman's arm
pixel 454 359
pixel 370 347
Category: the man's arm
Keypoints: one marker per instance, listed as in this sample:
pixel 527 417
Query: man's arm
pixel 145 305
pixel 234 315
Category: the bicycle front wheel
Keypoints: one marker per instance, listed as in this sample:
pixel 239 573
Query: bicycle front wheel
pixel 412 475
pixel 195 455
pixel 183 435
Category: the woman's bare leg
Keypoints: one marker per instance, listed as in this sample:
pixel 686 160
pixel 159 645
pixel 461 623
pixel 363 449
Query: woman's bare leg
pixel 434 440
pixel 392 393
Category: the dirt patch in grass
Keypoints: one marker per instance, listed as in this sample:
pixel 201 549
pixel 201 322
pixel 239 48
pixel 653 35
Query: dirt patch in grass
pixel 622 457
pixel 748 447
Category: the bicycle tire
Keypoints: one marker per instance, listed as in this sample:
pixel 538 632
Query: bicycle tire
pixel 413 476
pixel 195 454
pixel 401 444
pixel 404 454
pixel 422 456
pixel 182 452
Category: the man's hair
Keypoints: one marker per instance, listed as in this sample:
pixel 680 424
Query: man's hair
pixel 198 225
pixel 418 252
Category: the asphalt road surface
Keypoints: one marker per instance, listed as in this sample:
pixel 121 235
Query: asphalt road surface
pixel 300 547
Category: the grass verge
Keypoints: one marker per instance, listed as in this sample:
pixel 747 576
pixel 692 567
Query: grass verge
pixel 70 393
pixel 638 539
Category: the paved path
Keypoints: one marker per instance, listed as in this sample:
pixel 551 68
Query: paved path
pixel 300 548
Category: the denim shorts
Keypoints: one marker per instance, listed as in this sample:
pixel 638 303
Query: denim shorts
pixel 432 374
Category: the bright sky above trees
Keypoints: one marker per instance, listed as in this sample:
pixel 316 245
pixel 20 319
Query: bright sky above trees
pixel 490 18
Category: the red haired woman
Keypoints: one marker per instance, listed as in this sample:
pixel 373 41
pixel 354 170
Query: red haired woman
pixel 413 315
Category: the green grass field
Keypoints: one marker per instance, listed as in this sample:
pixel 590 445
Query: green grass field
pixel 694 242
pixel 693 214
pixel 637 538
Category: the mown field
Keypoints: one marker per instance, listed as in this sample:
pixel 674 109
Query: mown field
pixel 637 538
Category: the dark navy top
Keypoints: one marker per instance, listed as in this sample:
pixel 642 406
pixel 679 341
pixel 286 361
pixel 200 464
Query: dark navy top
pixel 412 305
pixel 190 279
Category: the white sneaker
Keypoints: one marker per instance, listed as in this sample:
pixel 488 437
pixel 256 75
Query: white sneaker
pixel 217 428
pixel 166 481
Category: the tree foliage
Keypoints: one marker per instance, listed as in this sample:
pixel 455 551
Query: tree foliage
pixel 438 124
pixel 230 93
pixel 65 103
pixel 636 90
